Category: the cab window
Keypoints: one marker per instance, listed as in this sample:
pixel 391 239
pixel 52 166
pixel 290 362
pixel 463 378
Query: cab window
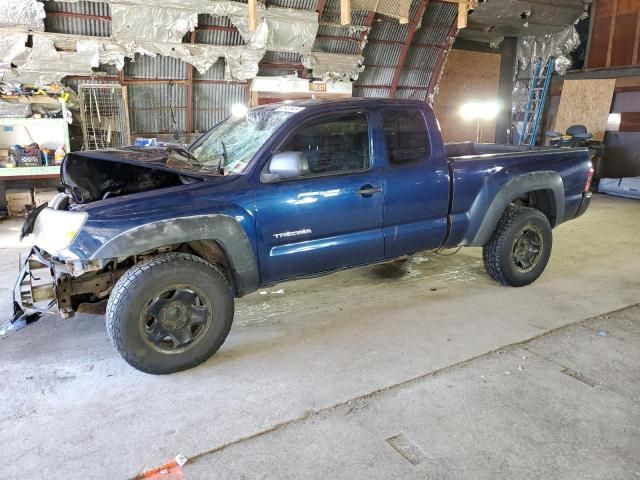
pixel 406 136
pixel 332 146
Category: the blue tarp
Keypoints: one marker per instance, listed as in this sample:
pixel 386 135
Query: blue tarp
pixel 628 187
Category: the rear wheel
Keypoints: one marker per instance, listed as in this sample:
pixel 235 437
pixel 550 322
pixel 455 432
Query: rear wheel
pixel 520 247
pixel 169 313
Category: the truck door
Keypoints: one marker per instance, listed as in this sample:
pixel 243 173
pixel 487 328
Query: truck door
pixel 329 217
pixel 416 183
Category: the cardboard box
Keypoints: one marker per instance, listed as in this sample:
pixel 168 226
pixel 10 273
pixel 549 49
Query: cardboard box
pixel 17 200
pixel 43 195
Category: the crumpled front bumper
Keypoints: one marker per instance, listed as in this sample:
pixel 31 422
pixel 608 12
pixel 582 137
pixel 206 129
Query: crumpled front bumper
pixel 33 292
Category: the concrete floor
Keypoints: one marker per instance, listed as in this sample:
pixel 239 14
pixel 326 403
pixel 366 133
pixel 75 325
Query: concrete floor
pixel 317 376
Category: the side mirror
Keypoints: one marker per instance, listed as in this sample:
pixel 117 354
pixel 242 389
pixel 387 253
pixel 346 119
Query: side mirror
pixel 286 165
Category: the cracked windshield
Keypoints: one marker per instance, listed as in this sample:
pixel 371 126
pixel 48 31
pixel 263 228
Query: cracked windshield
pixel 229 147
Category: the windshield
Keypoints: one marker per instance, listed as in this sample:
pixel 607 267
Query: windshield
pixel 230 146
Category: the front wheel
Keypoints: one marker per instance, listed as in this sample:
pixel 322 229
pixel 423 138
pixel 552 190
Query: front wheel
pixel 520 247
pixel 169 313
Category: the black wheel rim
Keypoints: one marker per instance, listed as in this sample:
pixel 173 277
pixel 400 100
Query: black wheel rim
pixel 527 249
pixel 175 319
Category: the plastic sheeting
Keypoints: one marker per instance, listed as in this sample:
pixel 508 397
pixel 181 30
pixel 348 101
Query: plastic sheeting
pixel 334 66
pixel 154 27
pixel 12 46
pixel 13 109
pixel 520 96
pixel 557 45
pixel 108 52
pixel 44 64
pixel 628 187
pixel 150 23
pixel 396 9
pixel 291 30
pixel 241 62
pixel 22 15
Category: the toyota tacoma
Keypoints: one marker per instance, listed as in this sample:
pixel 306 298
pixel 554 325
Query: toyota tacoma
pixel 169 237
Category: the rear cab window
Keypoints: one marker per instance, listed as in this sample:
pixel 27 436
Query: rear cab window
pixel 406 136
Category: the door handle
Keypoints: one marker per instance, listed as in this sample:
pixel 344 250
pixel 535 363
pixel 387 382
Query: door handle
pixel 369 190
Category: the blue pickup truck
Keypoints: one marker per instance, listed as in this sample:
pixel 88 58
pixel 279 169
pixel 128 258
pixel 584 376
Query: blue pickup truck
pixel 170 236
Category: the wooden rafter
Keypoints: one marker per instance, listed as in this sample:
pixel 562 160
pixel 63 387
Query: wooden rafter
pixel 463 15
pixel 253 15
pixel 345 12
pixel 413 26
pixel 463 10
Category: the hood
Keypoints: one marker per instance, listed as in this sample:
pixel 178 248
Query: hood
pixel 100 174
pixel 167 159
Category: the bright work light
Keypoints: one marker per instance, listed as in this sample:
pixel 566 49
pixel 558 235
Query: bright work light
pixel 239 110
pixel 479 111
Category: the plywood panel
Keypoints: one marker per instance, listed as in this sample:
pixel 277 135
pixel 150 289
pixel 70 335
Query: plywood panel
pixel 468 76
pixel 585 102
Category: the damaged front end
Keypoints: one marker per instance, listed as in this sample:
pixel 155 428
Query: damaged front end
pixel 32 297
pixel 61 270
pixel 45 282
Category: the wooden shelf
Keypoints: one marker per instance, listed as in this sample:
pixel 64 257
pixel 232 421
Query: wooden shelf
pixel 29 173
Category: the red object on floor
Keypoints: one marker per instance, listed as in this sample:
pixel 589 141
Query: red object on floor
pixel 168 471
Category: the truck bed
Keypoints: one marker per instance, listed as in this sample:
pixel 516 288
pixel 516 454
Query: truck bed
pixel 480 171
pixel 465 149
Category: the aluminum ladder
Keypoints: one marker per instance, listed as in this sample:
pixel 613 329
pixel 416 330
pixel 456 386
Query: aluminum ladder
pixel 538 92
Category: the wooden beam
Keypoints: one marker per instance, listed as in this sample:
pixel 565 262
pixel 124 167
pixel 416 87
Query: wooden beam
pixel 462 15
pixel 592 18
pixel 407 45
pixel 253 15
pixel 345 12
pixel 636 42
pixel 612 32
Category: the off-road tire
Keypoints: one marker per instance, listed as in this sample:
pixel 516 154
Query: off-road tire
pixel 497 254
pixel 133 289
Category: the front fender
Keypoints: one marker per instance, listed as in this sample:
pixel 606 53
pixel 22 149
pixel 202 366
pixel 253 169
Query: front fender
pixel 480 231
pixel 224 229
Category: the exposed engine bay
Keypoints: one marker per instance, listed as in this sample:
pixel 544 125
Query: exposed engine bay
pixel 86 177
pixel 89 180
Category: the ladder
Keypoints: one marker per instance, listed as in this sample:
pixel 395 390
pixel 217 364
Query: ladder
pixel 538 92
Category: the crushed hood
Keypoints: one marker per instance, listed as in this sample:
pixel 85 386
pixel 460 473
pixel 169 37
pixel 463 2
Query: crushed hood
pixel 167 159
pixel 100 174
